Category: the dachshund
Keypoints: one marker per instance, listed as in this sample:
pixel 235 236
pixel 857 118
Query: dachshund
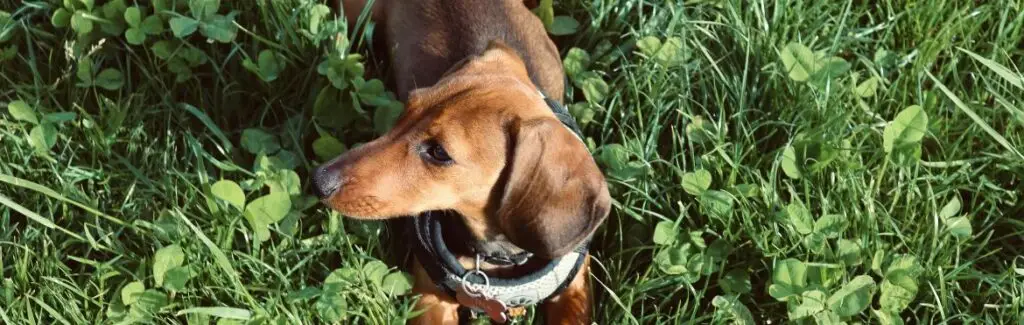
pixel 479 138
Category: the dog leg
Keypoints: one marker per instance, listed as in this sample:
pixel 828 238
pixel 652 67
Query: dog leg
pixel 439 307
pixel 572 305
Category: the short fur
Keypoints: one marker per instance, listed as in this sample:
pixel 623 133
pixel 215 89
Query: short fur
pixel 469 72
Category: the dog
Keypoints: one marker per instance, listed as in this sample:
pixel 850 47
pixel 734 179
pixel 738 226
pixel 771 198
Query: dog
pixel 484 151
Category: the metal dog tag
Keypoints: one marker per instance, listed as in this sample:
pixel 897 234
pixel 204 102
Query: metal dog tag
pixel 493 307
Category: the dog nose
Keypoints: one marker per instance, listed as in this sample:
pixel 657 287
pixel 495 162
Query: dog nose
pixel 325 181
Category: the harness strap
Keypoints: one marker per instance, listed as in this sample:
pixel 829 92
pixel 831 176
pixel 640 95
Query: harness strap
pixel 563 115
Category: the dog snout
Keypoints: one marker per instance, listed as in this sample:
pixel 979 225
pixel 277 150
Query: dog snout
pixel 326 181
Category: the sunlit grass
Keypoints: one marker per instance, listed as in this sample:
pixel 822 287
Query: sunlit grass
pixel 131 170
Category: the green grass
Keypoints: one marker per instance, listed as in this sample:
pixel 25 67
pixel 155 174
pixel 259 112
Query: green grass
pixel 695 111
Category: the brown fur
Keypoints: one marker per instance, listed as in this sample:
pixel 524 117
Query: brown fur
pixel 469 73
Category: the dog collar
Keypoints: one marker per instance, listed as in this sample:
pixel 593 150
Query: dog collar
pixel 563 115
pixel 497 297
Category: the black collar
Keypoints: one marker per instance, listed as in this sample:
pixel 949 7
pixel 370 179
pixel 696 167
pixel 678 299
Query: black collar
pixel 562 113
pixel 444 268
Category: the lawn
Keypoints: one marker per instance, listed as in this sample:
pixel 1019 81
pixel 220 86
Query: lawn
pixel 814 162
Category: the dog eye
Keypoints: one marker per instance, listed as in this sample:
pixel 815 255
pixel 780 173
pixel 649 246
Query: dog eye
pixel 435 153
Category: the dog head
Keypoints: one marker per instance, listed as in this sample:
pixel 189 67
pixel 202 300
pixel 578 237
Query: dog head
pixel 481 142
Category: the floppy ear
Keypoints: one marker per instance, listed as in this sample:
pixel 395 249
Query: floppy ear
pixel 555 196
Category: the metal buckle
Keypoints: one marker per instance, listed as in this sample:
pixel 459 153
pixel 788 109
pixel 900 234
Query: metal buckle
pixel 508 260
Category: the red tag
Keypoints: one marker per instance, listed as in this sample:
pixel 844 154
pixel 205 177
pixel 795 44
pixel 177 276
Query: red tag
pixel 494 308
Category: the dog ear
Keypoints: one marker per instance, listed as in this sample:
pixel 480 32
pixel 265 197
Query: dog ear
pixel 554 196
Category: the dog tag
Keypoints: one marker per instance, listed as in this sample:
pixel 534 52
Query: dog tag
pixel 493 307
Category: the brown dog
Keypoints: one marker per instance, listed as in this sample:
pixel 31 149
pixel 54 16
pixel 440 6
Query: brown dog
pixel 476 138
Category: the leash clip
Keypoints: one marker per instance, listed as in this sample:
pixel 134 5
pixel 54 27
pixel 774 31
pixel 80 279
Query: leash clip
pixel 480 299
pixel 464 283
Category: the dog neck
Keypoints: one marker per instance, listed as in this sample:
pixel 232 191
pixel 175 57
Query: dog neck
pixel 462 241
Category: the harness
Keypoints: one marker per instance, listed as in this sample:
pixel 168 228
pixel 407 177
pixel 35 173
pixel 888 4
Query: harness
pixel 479 293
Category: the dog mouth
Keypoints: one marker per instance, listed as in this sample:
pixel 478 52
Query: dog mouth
pixel 364 206
pixel 339 194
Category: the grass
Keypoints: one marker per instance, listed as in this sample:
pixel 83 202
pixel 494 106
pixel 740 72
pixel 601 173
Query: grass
pixel 756 176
